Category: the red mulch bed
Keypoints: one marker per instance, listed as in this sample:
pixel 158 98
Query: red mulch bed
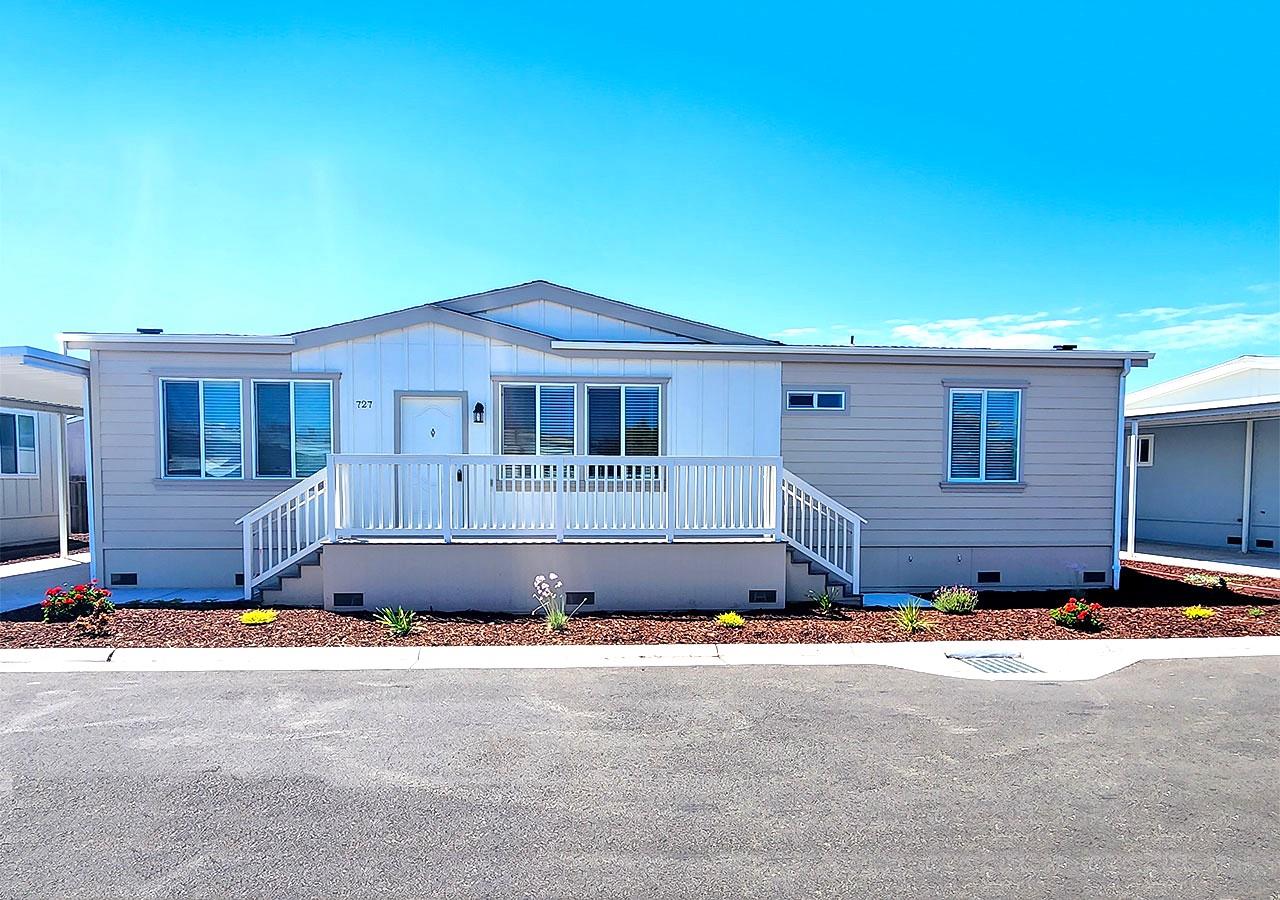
pixel 219 627
pixel 1149 605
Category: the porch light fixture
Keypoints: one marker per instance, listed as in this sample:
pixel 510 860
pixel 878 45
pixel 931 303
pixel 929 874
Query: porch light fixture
pixel 477 414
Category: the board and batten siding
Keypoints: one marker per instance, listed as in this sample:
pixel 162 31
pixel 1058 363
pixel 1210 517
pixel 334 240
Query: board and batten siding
pixel 29 506
pixel 886 459
pixel 713 408
pixel 170 532
pixel 569 323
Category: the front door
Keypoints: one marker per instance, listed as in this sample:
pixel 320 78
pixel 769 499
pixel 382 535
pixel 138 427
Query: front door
pixel 429 425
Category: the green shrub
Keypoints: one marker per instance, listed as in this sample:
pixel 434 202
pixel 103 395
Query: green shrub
pixel 258 617
pixel 1201 579
pixel 731 620
pixel 955 599
pixel 910 618
pixel 1198 612
pixel 64 602
pixel 1078 614
pixel 1255 611
pixel 398 621
pixel 824 600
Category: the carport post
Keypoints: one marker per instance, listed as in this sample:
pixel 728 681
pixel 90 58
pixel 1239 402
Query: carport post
pixel 60 467
pixel 1132 499
pixel 1248 485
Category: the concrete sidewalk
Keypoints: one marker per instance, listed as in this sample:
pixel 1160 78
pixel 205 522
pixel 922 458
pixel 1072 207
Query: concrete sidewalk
pixel 1065 660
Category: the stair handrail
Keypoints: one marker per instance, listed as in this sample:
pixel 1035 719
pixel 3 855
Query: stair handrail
pixel 834 519
pixel 303 518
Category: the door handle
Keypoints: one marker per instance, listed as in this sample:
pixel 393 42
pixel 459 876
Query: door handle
pixel 459 474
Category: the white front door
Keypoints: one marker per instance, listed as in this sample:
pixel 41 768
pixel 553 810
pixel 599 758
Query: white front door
pixel 431 425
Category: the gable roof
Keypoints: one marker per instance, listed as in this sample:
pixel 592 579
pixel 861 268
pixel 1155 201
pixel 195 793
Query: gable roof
pixel 1239 382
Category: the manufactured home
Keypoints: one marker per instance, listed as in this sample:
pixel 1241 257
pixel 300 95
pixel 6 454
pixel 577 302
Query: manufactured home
pixel 441 456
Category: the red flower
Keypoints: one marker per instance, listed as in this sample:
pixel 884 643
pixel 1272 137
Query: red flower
pixel 1095 606
pixel 47 602
pixel 1071 605
pixel 80 587
pixel 1081 616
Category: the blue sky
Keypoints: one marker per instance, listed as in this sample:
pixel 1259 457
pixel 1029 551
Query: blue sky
pixel 947 174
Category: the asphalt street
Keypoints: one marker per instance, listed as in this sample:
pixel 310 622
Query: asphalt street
pixel 1161 780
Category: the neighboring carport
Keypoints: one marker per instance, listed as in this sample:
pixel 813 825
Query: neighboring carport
pixel 42 381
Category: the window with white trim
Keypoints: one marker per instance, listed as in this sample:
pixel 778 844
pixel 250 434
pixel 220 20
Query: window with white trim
pixel 201 429
pixel 985 435
pixel 816 400
pixel 18 444
pixel 624 419
pixel 1146 449
pixel 537 419
pixel 292 427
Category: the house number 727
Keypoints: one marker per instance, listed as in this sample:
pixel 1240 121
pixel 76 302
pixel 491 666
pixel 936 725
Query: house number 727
pixel 364 404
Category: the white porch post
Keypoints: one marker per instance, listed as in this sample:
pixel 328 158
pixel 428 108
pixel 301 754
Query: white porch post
pixel 1248 485
pixel 1132 499
pixel 89 484
pixel 60 467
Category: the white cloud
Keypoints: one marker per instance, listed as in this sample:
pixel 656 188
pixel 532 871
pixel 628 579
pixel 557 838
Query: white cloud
pixel 789 333
pixel 1265 287
pixel 1174 313
pixel 1214 333
pixel 1008 331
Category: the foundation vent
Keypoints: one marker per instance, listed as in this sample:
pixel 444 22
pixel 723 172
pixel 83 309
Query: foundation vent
pixel 762 596
pixel 1233 540
pixel 579 598
pixel 119 579
pixel 348 600
pixel 988 578
pixel 1094 577
pixel 1264 543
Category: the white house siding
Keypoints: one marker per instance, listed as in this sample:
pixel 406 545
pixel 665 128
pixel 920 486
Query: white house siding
pixel 572 324
pixel 29 506
pixel 886 459
pixel 713 408
pixel 178 532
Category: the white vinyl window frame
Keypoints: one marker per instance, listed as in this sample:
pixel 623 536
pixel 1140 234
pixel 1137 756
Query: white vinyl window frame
pixel 622 412
pixel 17 444
pixel 164 428
pixel 293 425
pixel 537 414
pixel 1147 441
pixel 813 404
pixel 982 435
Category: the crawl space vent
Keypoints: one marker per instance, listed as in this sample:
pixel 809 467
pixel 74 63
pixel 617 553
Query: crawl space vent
pixel 1094 578
pixel 348 600
pixel 122 578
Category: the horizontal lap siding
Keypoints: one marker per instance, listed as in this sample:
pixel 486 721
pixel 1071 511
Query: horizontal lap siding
pixel 137 511
pixel 886 458
pixel 29 506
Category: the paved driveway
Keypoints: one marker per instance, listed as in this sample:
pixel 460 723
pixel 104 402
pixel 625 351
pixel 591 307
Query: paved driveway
pixel 1159 781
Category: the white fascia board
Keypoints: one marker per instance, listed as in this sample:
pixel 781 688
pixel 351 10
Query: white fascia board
pixel 1249 403
pixel 1203 376
pixel 1117 356
pixel 89 340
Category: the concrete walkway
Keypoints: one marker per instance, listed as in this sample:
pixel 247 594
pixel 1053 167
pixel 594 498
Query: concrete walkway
pixel 1213 559
pixel 1065 660
pixel 24 582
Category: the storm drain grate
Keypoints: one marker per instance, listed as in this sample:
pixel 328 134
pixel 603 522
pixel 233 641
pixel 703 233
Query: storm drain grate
pixel 996 664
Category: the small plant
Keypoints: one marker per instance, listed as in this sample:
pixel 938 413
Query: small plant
pixel 64 603
pixel 1078 614
pixel 93 625
pixel 398 621
pixel 1199 612
pixel 548 595
pixel 258 617
pixel 1255 612
pixel 910 618
pixel 955 599
pixel 824 600
pixel 1201 579
pixel 731 620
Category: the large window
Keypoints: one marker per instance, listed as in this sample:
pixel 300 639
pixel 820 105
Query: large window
pixel 292 427
pixel 624 420
pixel 18 444
pixel 202 435
pixel 538 419
pixel 984 435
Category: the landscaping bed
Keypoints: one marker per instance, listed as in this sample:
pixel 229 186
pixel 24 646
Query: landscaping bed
pixel 219 626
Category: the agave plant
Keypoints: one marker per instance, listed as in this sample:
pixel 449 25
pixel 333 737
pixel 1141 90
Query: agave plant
pixel 398 621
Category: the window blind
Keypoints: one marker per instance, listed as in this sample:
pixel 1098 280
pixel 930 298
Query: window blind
pixel 642 433
pixel 312 426
pixel 272 429
pixel 984 438
pixel 182 428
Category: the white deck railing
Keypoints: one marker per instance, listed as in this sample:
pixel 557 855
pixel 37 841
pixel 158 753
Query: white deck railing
pixel 285 529
pixel 558 497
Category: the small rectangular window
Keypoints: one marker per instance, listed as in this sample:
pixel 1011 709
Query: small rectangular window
pixel 984 435
pixel 201 429
pixel 292 426
pixel 805 400
pixel 1146 449
pixel 624 420
pixel 18 444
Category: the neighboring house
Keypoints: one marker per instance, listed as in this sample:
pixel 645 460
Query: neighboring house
pixel 1206 448
pixel 33 445
pixel 443 455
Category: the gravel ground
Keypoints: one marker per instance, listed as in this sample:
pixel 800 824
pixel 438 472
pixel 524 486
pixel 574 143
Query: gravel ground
pixel 220 627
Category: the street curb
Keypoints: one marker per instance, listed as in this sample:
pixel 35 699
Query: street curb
pixel 1064 660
